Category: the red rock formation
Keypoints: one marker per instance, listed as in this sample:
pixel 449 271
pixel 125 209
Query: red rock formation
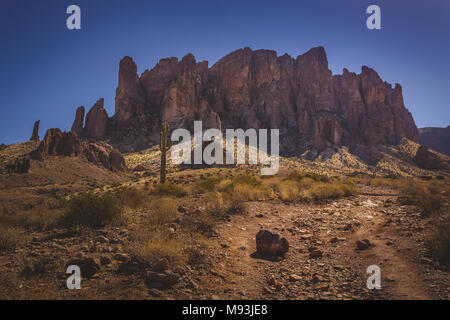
pixel 96 121
pixel 35 134
pixel 58 143
pixel 129 94
pixel 257 89
pixel 436 138
pixel 77 126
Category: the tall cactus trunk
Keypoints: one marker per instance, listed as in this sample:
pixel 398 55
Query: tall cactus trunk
pixel 165 147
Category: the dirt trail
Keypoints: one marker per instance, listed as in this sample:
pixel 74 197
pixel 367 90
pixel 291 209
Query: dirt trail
pixel 332 228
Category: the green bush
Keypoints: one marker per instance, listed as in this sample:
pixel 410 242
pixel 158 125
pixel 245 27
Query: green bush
pixel 88 209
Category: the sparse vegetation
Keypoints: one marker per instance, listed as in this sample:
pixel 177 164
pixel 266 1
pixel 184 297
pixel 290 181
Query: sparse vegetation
pixel 168 189
pixel 156 247
pixel 10 238
pixel 162 211
pixel 128 196
pixel 423 195
pixel 88 209
pixel 440 238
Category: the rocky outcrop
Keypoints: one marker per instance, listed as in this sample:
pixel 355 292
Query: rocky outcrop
pixel 270 243
pixel 256 89
pixel 58 143
pixel 96 121
pixel 35 134
pixel 78 123
pixel 101 153
pixel 426 159
pixel 20 165
pixel 436 138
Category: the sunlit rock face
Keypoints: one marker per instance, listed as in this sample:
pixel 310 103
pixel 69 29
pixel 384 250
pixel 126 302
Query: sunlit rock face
pixel 258 89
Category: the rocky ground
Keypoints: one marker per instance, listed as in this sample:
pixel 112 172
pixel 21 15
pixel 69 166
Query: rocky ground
pixel 324 260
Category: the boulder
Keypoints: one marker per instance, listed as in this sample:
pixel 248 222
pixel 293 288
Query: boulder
pixel 161 280
pixel 270 243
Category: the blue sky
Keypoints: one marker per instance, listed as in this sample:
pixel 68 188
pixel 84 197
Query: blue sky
pixel 47 71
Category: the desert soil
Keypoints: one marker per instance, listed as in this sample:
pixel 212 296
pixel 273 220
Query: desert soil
pixel 323 261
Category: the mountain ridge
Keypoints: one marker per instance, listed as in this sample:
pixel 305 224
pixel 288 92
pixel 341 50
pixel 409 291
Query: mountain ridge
pixel 313 108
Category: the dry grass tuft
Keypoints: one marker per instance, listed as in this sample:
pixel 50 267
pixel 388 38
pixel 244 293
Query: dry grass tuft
pixel 152 247
pixel 10 239
pixel 168 190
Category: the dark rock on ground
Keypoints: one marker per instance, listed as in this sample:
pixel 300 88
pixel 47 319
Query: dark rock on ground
pixel 88 266
pixel 162 281
pixel 271 243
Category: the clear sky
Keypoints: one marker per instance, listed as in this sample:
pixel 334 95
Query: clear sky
pixel 47 71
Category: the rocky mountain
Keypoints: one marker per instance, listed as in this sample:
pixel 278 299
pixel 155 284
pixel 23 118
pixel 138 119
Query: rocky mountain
pixel 313 109
pixel 436 138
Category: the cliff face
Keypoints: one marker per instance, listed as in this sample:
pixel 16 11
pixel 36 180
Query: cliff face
pixel 258 89
pixel 436 138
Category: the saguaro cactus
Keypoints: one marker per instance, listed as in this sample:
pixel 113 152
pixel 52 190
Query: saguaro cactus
pixel 165 146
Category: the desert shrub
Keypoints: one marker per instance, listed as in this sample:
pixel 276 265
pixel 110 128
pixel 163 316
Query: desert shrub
pixel 424 196
pixel 88 209
pixel 246 179
pixel 162 211
pixel 208 184
pixel 348 188
pixel 196 253
pixel 201 223
pixel 321 191
pixel 249 193
pixel 234 205
pixel 289 191
pixel 295 175
pixel 10 239
pixel 440 238
pixel 318 177
pixel 153 246
pixel 168 189
pixel 306 183
pixel 128 196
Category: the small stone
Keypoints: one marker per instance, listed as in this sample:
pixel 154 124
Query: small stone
pixel 294 277
pixel 363 244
